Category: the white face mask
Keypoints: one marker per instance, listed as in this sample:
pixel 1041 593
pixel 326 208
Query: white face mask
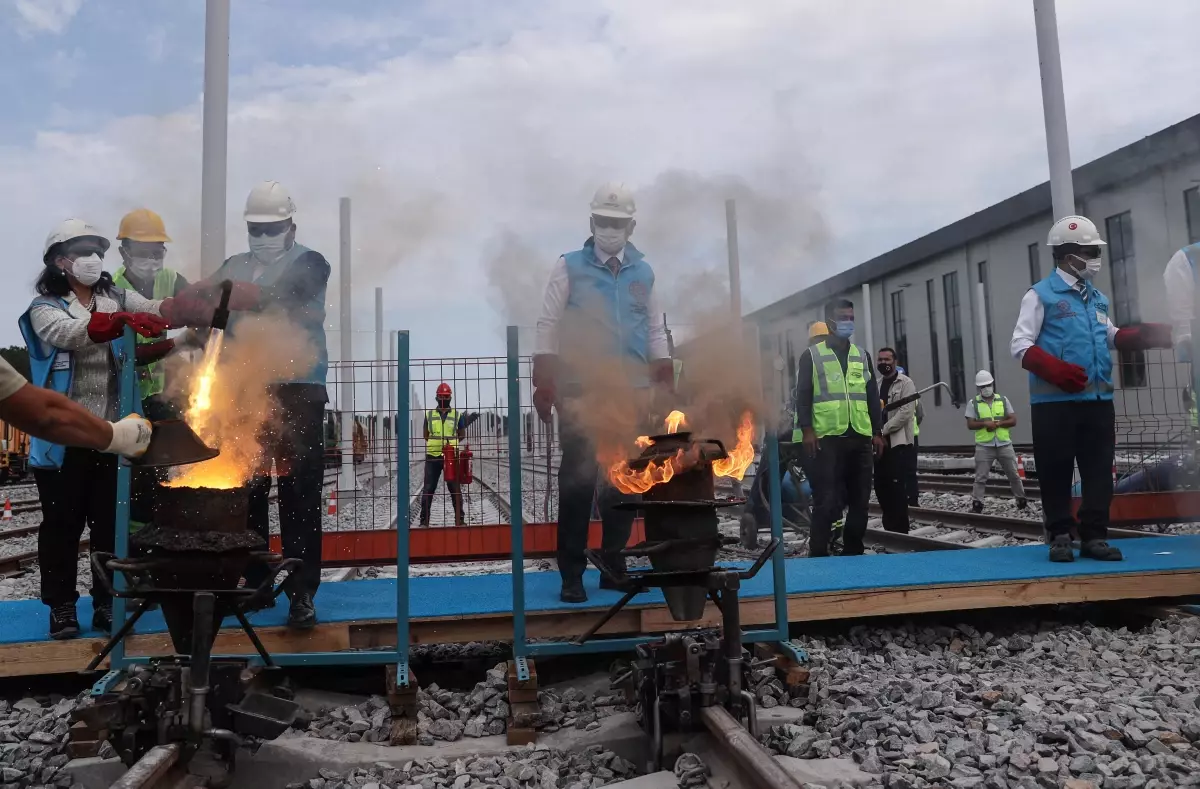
pixel 268 250
pixel 986 391
pixel 87 270
pixel 144 268
pixel 1091 268
pixel 609 240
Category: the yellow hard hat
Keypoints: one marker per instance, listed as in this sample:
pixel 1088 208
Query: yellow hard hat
pixel 143 224
pixel 817 329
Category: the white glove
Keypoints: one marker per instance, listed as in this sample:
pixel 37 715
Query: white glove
pixel 130 437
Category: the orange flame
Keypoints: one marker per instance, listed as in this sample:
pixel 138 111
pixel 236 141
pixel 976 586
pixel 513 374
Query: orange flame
pixel 742 455
pixel 627 480
pixel 642 442
pixel 674 420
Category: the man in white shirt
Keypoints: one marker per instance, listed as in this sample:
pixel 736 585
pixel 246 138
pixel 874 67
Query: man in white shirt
pixel 1062 337
pixel 990 416
pixel 1179 278
pixel 599 313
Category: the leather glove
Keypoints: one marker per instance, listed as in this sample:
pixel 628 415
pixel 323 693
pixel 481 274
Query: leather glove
pixel 1142 336
pixel 187 311
pixel 1068 377
pixel 130 436
pixel 108 326
pixel 662 374
pixel 545 373
pixel 151 352
pixel 243 296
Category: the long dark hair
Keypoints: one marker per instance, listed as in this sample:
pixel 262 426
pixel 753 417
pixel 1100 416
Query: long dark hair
pixel 53 280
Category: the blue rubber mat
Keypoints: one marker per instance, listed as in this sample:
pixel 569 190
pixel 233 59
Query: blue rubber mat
pixel 23 621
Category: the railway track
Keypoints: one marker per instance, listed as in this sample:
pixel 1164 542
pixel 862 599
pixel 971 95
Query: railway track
pixel 944 483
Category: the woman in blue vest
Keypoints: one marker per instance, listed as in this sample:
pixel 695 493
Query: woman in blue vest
pixel 1063 337
pixel 69 330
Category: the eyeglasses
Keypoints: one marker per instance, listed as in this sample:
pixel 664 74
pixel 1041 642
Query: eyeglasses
pixel 611 222
pixel 257 229
pixel 83 249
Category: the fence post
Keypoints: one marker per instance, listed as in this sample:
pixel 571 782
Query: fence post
pixel 520 648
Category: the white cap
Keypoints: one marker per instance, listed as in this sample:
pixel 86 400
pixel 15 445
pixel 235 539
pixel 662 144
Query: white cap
pixel 613 200
pixel 984 378
pixel 72 229
pixel 269 202
pixel 1075 230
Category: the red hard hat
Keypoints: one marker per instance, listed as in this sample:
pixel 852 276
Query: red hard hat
pixel 443 390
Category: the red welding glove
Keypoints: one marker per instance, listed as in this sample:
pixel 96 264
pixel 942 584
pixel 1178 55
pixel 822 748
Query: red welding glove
pixel 1141 336
pixel 151 352
pixel 108 326
pixel 662 374
pixel 243 296
pixel 545 375
pixel 1068 377
pixel 184 311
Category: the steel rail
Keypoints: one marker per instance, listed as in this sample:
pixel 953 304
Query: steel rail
pixel 756 762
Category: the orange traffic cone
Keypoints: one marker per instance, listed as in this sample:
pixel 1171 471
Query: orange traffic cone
pixel 1021 466
pixel 333 502
pixel 7 509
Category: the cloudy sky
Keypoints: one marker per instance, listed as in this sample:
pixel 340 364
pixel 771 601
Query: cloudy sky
pixel 470 135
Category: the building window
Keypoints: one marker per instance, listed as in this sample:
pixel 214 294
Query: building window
pixel 1191 205
pixel 954 340
pixel 987 312
pixel 1122 261
pixel 931 300
pixel 900 331
pixel 1035 263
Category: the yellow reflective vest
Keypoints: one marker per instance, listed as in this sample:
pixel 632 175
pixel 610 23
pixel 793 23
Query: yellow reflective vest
pixel 443 431
pixel 994 411
pixel 839 400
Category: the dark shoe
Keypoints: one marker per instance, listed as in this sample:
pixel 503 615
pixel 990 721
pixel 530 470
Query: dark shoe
pixel 1099 550
pixel 572 592
pixel 303 614
pixel 1022 503
pixel 423 525
pixel 63 623
pixel 1061 550
pixel 102 617
pixel 607 584
pixel 976 506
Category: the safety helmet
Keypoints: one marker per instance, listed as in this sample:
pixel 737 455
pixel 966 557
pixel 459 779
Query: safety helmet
pixel 1075 230
pixel 443 390
pixel 817 329
pixel 142 224
pixel 269 202
pixel 614 200
pixel 984 378
pixel 69 231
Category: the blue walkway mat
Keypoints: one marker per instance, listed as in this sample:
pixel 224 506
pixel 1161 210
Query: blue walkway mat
pixel 23 621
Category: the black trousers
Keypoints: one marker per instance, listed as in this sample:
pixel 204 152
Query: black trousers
pixel 1069 433
pixel 295 441
pixel 82 492
pixel 434 466
pixel 577 485
pixel 891 486
pixel 144 481
pixel 910 479
pixel 840 474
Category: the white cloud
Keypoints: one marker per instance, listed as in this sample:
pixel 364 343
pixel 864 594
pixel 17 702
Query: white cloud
pixel 842 132
pixel 46 16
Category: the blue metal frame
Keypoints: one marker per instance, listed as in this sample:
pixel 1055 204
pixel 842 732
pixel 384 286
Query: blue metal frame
pixel 522 649
pixel 398 656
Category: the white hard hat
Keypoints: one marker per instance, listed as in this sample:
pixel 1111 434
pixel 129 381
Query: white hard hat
pixel 984 378
pixel 269 202
pixel 613 200
pixel 1075 230
pixel 70 230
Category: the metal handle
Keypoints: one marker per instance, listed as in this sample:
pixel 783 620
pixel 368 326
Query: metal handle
pixel 752 571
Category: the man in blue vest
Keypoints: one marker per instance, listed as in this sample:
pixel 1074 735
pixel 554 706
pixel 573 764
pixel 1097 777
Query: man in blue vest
pixel 597 315
pixel 281 273
pixel 1063 337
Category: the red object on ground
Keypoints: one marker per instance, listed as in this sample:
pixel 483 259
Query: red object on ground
pixel 449 463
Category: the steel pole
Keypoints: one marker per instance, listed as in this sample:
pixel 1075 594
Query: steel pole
pixel 867 335
pixel 391 389
pixel 1054 107
pixel 380 470
pixel 735 264
pixel 215 136
pixel 981 326
pixel 346 393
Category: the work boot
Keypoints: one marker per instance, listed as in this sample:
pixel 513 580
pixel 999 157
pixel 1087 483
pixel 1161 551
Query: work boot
pixel 303 614
pixel 572 592
pixel 1061 550
pixel 615 562
pixel 1022 503
pixel 63 623
pixel 102 617
pixel 1099 550
pixel 976 506
pixel 423 525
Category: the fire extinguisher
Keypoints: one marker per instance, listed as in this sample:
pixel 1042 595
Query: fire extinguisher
pixel 465 476
pixel 450 463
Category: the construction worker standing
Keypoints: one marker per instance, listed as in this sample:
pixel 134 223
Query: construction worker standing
pixel 443 428
pixel 991 417
pixel 278 272
pixel 891 467
pixel 1062 337
pixel 597 313
pixel 839 420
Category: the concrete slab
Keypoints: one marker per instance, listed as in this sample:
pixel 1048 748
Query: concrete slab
pixel 778 716
pixel 664 779
pixel 727 775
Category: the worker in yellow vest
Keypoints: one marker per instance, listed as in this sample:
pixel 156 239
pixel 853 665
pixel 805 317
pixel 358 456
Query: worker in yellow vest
pixel 839 420
pixel 991 417
pixel 443 428
pixel 143 249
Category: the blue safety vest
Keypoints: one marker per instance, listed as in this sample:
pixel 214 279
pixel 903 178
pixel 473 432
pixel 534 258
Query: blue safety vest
pixel 54 368
pixel 311 316
pixel 1075 331
pixel 614 308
